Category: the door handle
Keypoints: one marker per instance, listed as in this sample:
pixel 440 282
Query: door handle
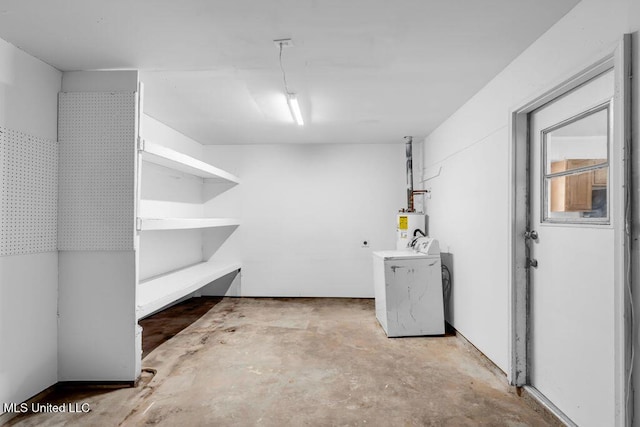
pixel 531 234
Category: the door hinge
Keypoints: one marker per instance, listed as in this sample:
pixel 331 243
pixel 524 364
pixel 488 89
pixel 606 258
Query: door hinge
pixel 140 144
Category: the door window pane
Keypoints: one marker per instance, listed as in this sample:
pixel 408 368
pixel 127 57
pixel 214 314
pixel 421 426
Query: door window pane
pixel 576 168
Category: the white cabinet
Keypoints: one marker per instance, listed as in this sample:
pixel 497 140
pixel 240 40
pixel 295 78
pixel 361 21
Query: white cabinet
pixel 132 230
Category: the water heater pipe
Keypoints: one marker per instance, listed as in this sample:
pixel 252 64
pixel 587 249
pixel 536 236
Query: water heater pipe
pixel 413 193
pixel 409 156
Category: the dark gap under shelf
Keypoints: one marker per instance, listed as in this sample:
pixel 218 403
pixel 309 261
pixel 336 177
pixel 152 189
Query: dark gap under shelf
pixel 164 325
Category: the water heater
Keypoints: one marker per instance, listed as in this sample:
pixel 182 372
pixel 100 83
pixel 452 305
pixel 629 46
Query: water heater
pixel 406 225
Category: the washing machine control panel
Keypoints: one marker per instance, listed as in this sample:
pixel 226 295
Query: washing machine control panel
pixel 427 245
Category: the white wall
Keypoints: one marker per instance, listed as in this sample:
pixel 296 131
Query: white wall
pixel 305 212
pixel 469 205
pixel 28 283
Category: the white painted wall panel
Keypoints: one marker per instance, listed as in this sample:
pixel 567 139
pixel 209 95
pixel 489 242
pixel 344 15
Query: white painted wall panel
pixel 97 318
pixel 28 283
pixel 466 198
pixel 167 250
pixel 169 193
pixel 305 211
pixel 28 93
pixel 28 325
pixel 100 81
pixel 468 210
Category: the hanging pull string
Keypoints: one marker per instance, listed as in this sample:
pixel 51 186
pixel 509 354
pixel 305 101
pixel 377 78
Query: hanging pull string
pixel 284 75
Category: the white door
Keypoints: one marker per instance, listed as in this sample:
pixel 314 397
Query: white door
pixel 571 289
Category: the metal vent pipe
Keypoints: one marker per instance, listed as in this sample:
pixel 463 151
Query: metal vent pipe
pixel 409 156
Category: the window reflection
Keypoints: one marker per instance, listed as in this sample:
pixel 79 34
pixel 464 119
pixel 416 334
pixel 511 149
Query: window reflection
pixel 576 168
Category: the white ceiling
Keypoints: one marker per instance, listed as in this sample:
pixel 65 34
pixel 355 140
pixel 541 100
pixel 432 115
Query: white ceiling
pixel 364 70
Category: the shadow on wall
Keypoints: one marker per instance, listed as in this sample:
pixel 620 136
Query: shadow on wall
pixel 214 189
pixel 214 238
pixel 447 281
pixel 227 285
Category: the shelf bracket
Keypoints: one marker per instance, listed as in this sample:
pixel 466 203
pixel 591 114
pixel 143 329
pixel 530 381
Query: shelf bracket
pixel 140 144
pixel 139 224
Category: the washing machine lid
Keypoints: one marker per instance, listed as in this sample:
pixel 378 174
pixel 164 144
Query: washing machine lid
pixel 401 254
pixel 424 247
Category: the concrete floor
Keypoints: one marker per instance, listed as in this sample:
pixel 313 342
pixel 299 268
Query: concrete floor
pixel 294 362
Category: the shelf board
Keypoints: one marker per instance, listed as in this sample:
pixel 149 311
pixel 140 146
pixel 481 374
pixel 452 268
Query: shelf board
pixel 155 293
pixel 163 156
pixel 184 223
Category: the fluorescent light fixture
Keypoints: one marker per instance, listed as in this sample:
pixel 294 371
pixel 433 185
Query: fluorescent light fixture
pixel 294 107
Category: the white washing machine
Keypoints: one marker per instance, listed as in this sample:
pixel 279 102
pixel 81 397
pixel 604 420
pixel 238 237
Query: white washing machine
pixel 408 290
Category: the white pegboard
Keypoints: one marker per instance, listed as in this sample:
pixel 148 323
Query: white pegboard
pixel 97 133
pixel 29 181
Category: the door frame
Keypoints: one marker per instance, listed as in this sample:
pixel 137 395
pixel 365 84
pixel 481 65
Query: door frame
pixel 620 61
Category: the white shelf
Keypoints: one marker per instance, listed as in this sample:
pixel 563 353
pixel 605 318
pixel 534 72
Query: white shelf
pixel 184 223
pixel 163 156
pixel 153 294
